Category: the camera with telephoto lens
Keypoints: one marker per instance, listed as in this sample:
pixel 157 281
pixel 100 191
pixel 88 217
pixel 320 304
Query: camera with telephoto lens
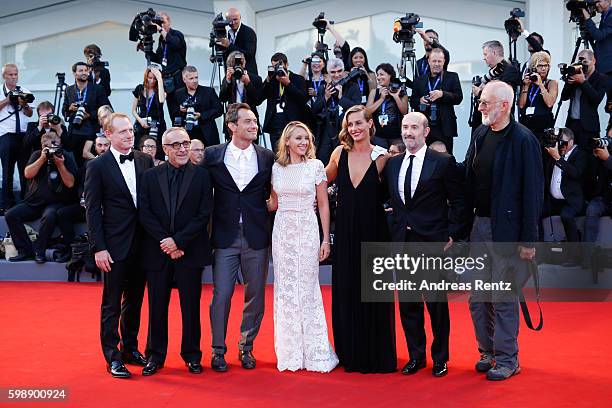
pixel 153 127
pixel 320 23
pixel 551 137
pixel 238 69
pixel 512 25
pixel 16 94
pixel 80 113
pixel 53 119
pixel 277 70
pixel 494 73
pixel 568 71
pixel 143 27
pixel 54 150
pixel 575 8
pixel 218 32
pixel 405 27
pixel 354 74
pixel 601 143
pixel 395 85
pixel 96 64
pixel 190 120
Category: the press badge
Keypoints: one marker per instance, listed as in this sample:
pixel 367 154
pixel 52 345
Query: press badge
pixel 364 99
pixel 164 62
pixel 383 120
pixel 530 111
pixel 279 108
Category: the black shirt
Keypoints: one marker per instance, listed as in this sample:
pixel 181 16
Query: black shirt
pixel 43 190
pixel 174 49
pixel 156 109
pixel 483 168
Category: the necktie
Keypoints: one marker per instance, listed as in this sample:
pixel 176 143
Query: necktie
pixel 408 181
pixel 124 157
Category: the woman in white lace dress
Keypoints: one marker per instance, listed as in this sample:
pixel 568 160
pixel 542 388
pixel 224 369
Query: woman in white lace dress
pixel 298 179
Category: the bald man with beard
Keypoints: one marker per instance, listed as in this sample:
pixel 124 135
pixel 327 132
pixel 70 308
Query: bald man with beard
pixel 241 38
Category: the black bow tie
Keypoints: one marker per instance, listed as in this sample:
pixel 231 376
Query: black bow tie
pixel 124 157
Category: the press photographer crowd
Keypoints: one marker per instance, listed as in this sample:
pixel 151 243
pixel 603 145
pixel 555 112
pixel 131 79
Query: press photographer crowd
pixel 392 127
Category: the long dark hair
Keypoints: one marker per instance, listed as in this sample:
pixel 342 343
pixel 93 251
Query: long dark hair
pixel 354 51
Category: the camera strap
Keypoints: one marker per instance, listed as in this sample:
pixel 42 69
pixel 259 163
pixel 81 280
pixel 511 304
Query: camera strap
pixel 16 109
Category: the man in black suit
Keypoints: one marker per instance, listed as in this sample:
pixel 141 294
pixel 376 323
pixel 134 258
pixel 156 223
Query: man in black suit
pixel 435 95
pixel 112 183
pixel 240 173
pixel 174 205
pixel 286 97
pixel 585 90
pixel 423 186
pixel 240 38
pixel 564 179
pixel 430 42
pixel 206 108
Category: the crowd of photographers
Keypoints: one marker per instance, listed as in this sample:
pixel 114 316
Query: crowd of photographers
pixel 52 153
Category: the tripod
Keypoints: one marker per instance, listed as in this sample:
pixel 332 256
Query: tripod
pixel 60 89
pixel 408 57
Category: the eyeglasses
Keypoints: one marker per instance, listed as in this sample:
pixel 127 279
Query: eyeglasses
pixel 149 147
pixel 487 104
pixel 542 66
pixel 177 145
pixel 197 150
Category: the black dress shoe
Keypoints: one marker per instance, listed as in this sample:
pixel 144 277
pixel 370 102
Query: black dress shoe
pixel 194 367
pixel 151 368
pixel 218 363
pixel 412 366
pixel 40 258
pixel 20 257
pixel 135 358
pixel 247 359
pixel 439 369
pixel 118 370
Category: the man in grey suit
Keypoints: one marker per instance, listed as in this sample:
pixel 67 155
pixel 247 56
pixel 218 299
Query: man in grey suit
pixel 240 173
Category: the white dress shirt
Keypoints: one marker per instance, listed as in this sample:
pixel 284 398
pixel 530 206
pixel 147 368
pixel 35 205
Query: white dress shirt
pixel 9 124
pixel 241 164
pixel 417 166
pixel 233 34
pixel 557 175
pixel 128 169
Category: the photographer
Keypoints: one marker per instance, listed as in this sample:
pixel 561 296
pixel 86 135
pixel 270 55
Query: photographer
pixel 171 54
pixel 240 38
pixel 31 139
pixel 99 73
pixel 89 151
pixel 585 89
pixel 240 85
pixel 435 95
pixel 333 100
pixel 535 43
pixel 387 104
pixel 198 106
pixel 358 59
pixel 80 109
pixel 564 195
pixel 285 93
pixel 430 41
pixel 14 114
pixel 51 179
pixel 148 108
pixel 538 95
pixel 601 203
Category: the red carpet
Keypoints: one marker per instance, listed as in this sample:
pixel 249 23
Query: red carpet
pixel 49 338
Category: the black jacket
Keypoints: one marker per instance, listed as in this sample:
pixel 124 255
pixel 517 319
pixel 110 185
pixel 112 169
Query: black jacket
pixel 327 113
pixel 246 42
pixel 112 217
pixel 422 64
pixel 602 37
pixel 208 104
pixel 452 95
pixel 517 191
pixel 187 226
pixel 439 189
pixel 96 97
pixel 253 92
pixel 176 52
pixel 571 177
pixel 593 91
pixel 31 139
pixel 229 202
pixel 295 97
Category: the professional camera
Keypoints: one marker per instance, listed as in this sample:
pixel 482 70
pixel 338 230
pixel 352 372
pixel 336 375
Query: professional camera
pixel 190 120
pixel 143 27
pixel 600 143
pixel 53 119
pixel 551 137
pixel 354 74
pixel 54 150
pixel 96 64
pixel 512 25
pixel 531 74
pixel 320 23
pixel 477 80
pixel 395 85
pixel 575 8
pixel 80 113
pixel 494 73
pixel 405 27
pixel 277 70
pixel 314 57
pixel 219 31
pixel 153 127
pixel 16 94
pixel 567 71
pixel 238 70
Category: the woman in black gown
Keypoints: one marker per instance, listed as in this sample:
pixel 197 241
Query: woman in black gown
pixel 364 333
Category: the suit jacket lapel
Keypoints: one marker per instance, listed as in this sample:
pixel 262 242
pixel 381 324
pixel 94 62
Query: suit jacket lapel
pixel 221 163
pixel 395 170
pixel 187 177
pixel 162 177
pixel 427 170
pixel 115 172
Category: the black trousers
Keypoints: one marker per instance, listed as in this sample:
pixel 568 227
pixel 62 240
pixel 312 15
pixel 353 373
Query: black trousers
pixel 568 216
pixel 10 147
pixel 412 315
pixel 121 303
pixel 23 212
pixel 66 218
pixel 159 287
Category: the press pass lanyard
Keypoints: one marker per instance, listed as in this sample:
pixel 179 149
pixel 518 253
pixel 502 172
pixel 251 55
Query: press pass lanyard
pixel 534 94
pixel 150 102
pixel 165 56
pixel 424 67
pixel 84 95
pixel 361 84
pixel 434 86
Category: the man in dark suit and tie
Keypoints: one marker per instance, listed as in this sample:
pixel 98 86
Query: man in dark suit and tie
pixel 435 95
pixel 174 206
pixel 240 172
pixel 240 37
pixel 112 184
pixel 424 185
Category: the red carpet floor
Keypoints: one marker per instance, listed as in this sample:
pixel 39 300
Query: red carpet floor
pixel 49 339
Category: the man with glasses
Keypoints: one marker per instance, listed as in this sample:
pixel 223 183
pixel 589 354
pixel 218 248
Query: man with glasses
pixel 175 204
pixel 240 37
pixel 196 151
pixel 503 182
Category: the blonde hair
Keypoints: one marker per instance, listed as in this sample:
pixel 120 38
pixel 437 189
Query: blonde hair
pixel 108 123
pixel 282 157
pixel 345 138
pixel 537 57
pixel 104 113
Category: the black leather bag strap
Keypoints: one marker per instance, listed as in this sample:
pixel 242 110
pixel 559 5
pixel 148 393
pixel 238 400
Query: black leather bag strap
pixel 533 269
